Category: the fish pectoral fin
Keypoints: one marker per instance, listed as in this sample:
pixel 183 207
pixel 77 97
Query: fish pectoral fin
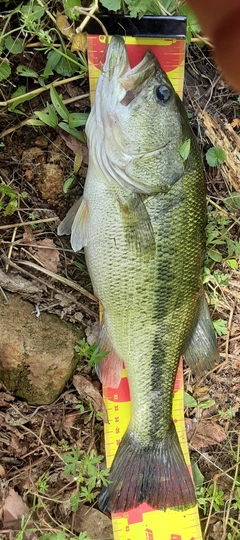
pixel 80 227
pixel 137 223
pixel 65 226
pixel 154 472
pixel 201 351
pixel 109 370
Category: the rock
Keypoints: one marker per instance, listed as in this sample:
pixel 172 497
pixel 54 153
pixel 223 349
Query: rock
pixel 96 524
pixel 36 353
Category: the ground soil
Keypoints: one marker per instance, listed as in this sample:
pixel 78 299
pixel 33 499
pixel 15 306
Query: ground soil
pixel 37 161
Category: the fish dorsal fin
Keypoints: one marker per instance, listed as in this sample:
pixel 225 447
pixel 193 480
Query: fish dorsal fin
pixel 65 226
pixel 80 227
pixel 201 351
pixel 109 370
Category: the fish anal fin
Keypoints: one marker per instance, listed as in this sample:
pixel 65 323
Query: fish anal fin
pixel 109 370
pixel 154 472
pixel 80 227
pixel 201 350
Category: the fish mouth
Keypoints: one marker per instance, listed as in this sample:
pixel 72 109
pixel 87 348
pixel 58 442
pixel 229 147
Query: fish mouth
pixel 121 77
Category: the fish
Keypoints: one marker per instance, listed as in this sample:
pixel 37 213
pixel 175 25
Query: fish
pixel 141 221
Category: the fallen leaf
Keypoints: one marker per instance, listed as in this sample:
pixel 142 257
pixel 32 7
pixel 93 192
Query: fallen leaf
pixel 200 391
pixel 79 42
pixel 87 391
pixel 5 399
pixel 2 472
pixel 28 237
pixel 49 257
pixel 204 433
pixel 44 250
pixel 235 122
pixel 63 25
pixel 217 531
pixel 92 333
pixel 91 520
pixel 13 510
pixel 76 146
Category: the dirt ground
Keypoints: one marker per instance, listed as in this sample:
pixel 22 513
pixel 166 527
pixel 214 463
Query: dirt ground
pixel 33 438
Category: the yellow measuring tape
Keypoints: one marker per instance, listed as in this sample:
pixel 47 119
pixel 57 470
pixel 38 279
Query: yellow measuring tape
pixel 145 523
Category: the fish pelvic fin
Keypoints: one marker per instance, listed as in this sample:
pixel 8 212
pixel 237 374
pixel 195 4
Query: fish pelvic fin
pixel 76 223
pixel 201 351
pixel 80 227
pixel 65 226
pixel 109 370
pixel 153 472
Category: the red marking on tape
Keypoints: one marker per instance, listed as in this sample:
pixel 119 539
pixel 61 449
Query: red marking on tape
pixel 136 514
pixel 170 56
pixel 120 394
pixel 149 534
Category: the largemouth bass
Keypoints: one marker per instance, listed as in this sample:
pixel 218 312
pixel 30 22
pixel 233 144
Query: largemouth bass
pixel 141 220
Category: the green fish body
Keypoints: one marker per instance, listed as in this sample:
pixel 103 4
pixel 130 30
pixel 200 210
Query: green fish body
pixel 142 219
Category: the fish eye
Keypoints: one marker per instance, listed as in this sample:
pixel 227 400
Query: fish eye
pixel 163 93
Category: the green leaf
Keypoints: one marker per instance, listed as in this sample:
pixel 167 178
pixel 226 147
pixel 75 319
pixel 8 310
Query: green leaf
pixel 233 201
pixel 215 255
pixel 50 119
pixel 72 462
pixel 206 404
pixel 77 119
pixel 232 263
pixel 72 131
pixel 58 104
pixel 68 8
pixel 35 122
pixel 138 8
pixel 32 12
pixel 185 149
pixel 112 5
pixel 189 401
pixel 215 156
pixel 5 70
pixel 67 64
pixel 77 162
pixel 21 90
pixel 53 59
pixel 221 327
pixel 68 183
pixel 197 475
pixel 11 207
pixel 193 26
pixel 22 98
pixel 26 72
pixel 15 46
pixel 169 5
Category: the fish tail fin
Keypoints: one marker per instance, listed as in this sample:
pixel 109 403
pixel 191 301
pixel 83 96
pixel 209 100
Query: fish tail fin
pixel 154 472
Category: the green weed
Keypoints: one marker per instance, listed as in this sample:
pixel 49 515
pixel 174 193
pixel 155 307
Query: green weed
pixel 87 473
pixel 9 198
pixel 207 496
pixel 215 156
pixel 90 352
pixel 69 122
